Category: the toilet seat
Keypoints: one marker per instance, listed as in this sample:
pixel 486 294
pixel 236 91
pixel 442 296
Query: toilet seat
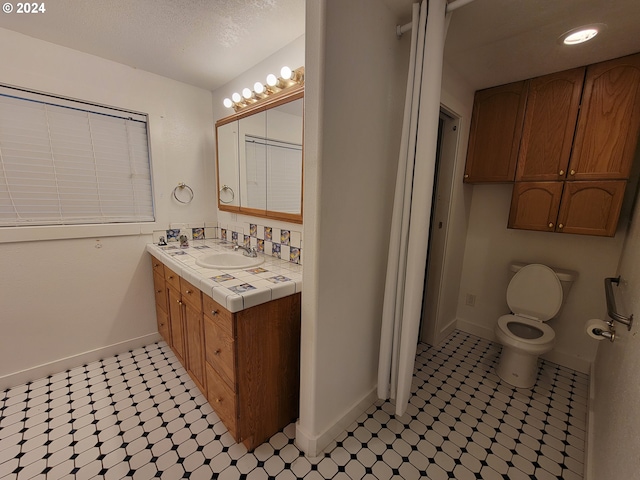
pixel 535 292
pixel 537 346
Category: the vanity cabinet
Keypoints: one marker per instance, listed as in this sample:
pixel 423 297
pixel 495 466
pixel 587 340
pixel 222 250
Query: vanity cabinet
pixel 496 129
pixel 247 363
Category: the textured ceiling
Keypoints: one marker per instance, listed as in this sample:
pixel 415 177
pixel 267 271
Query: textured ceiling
pixel 201 42
pixel 209 42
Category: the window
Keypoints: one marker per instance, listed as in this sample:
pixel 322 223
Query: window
pixel 65 162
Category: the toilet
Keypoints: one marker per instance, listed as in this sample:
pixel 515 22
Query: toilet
pixel 535 294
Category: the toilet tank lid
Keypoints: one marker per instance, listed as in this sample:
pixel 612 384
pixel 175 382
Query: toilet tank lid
pixel 562 274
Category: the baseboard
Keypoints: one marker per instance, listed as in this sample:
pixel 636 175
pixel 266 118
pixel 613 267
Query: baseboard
pixel 475 329
pixel 574 363
pixel 589 447
pixel 57 366
pixel 444 332
pixel 313 445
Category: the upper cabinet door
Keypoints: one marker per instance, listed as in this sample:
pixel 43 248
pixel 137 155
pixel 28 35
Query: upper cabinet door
pixel 591 208
pixel 549 124
pixel 609 121
pixel 496 128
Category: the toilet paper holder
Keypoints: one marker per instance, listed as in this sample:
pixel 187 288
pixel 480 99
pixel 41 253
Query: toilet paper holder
pixel 612 311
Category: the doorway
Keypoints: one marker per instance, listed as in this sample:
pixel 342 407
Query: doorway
pixel 432 328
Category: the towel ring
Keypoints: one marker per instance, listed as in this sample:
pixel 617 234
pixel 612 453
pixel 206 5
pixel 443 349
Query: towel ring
pixel 233 195
pixel 182 186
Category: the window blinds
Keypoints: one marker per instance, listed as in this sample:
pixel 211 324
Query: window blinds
pixel 64 162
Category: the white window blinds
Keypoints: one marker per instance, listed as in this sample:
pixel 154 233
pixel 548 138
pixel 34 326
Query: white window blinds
pixel 64 162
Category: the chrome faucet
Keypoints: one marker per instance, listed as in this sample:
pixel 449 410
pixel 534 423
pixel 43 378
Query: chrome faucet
pixel 248 251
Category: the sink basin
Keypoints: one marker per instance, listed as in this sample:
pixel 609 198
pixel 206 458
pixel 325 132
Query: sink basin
pixel 226 261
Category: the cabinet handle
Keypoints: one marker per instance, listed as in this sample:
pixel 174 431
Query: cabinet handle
pixel 572 172
pixel 561 172
pixel 560 225
pixel 214 312
pixel 550 225
pixel 217 352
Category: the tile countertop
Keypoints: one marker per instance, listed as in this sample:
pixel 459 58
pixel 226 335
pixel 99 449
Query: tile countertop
pixel 235 289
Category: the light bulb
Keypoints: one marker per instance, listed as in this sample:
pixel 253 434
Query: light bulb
pixel 246 93
pixel 227 103
pixel 272 80
pixel 236 97
pixel 286 73
pixel 258 87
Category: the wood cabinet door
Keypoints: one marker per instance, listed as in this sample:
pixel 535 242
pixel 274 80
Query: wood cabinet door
pixel 160 290
pixel 534 205
pixel 194 333
pixel 549 124
pixel 609 121
pixel 176 323
pixel 591 207
pixel 163 324
pixel 496 128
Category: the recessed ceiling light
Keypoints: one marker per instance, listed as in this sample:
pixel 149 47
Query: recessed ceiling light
pixel 581 34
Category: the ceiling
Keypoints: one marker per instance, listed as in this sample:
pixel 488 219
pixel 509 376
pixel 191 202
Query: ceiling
pixel 209 42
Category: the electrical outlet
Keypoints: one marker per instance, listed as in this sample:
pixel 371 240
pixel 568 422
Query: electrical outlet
pixel 470 300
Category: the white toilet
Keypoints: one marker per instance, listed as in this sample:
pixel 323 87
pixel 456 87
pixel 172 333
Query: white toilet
pixel 535 295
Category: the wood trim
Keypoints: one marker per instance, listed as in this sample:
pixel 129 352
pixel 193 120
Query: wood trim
pixel 275 100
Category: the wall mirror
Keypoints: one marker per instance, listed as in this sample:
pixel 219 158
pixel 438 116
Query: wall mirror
pixel 260 159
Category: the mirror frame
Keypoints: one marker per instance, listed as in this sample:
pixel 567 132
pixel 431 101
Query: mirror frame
pixel 273 101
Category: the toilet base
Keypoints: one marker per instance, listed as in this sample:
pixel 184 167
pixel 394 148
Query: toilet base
pixel 517 368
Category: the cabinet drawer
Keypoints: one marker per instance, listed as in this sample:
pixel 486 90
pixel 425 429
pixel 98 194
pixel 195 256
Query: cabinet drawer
pixel 220 351
pixel 158 266
pixel 191 294
pixel 160 290
pixel 220 315
pixel 223 401
pixel 172 278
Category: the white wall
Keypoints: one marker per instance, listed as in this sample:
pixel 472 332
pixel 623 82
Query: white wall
pixel 614 430
pixel 63 298
pixel 293 55
pixel 491 247
pixel 355 80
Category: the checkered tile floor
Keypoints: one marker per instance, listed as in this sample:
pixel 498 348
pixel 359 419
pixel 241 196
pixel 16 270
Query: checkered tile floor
pixel 138 415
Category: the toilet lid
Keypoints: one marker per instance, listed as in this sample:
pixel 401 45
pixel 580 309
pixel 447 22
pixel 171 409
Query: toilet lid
pixel 535 292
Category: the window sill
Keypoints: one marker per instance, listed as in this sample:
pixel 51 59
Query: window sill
pixel 67 232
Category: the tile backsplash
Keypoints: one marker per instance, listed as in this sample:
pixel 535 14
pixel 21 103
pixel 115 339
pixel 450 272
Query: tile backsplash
pixel 282 243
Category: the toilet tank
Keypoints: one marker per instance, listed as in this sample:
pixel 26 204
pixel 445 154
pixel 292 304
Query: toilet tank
pixel 566 277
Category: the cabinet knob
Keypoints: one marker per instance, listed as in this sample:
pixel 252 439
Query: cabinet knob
pixel 466 175
pixel 560 225
pixel 572 172
pixel 188 292
pixel 550 225
pixel 155 265
pixel 218 400
pixel 170 277
pixel 214 312
pixel 158 291
pixel 217 352
pixel 561 172
pixel 179 302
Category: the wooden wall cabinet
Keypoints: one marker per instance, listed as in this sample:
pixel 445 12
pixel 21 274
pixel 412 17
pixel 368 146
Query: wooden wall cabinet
pixel 587 208
pixel 247 364
pixel 496 128
pixel 609 122
pixel 552 108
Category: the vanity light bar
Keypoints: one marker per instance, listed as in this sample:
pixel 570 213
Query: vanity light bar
pixel 288 78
